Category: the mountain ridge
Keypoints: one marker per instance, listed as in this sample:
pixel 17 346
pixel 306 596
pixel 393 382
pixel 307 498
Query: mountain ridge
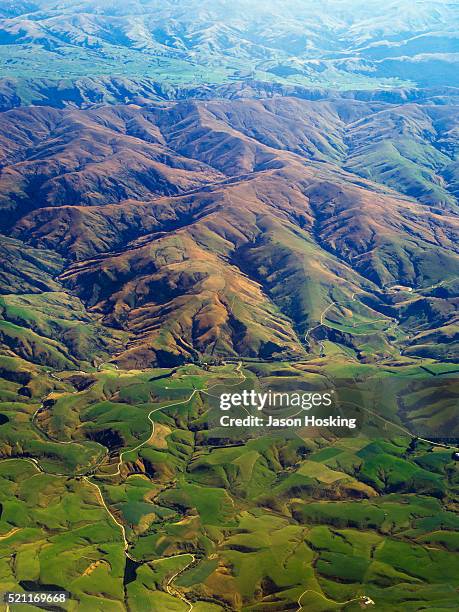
pixel 276 213
pixel 101 91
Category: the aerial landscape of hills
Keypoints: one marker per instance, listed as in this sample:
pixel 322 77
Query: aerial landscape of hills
pixel 203 197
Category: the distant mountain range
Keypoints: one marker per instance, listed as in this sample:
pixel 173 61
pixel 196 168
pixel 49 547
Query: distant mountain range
pixel 339 44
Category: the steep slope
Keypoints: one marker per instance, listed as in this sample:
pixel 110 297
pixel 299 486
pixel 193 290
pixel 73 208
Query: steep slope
pixel 54 159
pixel 273 245
pixel 405 148
pixel 39 320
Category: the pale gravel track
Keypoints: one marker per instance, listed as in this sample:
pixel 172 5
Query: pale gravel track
pixel 173 591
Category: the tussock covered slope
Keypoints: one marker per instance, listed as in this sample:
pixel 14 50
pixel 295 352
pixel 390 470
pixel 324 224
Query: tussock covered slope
pixel 229 227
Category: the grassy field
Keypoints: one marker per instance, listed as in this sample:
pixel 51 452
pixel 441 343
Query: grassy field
pixel 118 493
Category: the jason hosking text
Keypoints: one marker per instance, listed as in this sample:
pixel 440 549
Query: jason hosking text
pixel 270 409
